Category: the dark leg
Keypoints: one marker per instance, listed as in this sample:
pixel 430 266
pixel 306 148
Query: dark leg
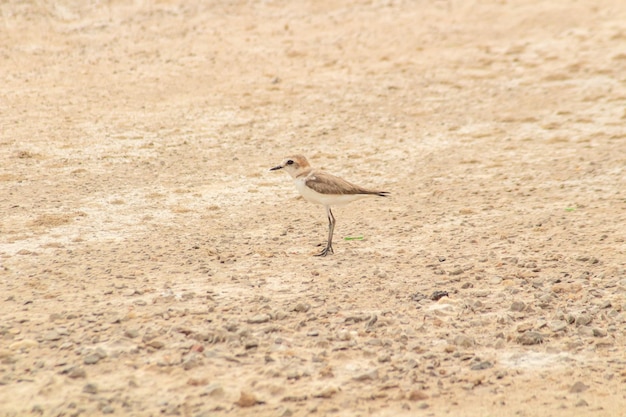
pixel 331 227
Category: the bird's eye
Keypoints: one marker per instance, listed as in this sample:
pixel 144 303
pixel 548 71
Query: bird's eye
pixel 290 162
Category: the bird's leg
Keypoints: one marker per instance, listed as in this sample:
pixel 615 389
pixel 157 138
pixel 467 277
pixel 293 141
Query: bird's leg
pixel 331 227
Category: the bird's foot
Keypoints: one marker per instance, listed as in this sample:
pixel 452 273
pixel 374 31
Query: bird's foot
pixel 327 250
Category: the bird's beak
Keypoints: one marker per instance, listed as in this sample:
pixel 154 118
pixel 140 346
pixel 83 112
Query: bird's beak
pixel 276 167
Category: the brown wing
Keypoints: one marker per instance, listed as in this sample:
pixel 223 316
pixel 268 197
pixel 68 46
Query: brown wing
pixel 325 183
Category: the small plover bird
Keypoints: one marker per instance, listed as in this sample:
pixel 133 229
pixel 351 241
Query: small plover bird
pixel 322 188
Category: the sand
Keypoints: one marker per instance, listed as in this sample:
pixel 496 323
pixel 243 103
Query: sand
pixel 151 264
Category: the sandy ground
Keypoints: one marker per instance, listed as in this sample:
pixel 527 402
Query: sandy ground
pixel 150 264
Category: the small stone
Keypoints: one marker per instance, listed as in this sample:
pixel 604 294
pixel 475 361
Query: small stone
pixel 214 390
pixel 107 409
pixel 313 333
pixel 327 392
pixel 578 387
pixel 301 307
pixel 437 295
pixel 259 318
pixel 557 325
pixel 51 336
pixel 518 306
pixel 90 388
pixel 131 333
pixel 585 331
pixel 495 281
pixel 285 412
pixel 598 332
pixel 246 399
pixel 482 366
pixel 417 395
pixel 384 358
pixel 91 359
pixel 370 375
pixel 583 319
pixel 530 338
pixel 76 372
pixel 463 341
pixel 251 344
pixel 156 344
pixel 24 344
pixel 191 361
pixel 581 403
pixel 197 382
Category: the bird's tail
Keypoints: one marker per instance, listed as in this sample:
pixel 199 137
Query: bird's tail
pixel 382 193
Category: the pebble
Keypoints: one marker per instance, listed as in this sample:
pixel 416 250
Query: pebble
pixel 91 359
pixel 214 390
pixel 327 392
pixel 246 399
pixel 583 319
pixel 581 403
pixel 90 388
pixel 24 344
pixel 301 307
pixel 463 341
pixel 285 412
pixel 75 372
pixel 51 336
pixel 530 338
pixel 370 375
pixel 518 306
pixel 557 325
pixel 156 344
pixel 598 332
pixel 482 366
pixel 131 333
pixel 191 361
pixel 417 395
pixel 578 387
pixel 259 318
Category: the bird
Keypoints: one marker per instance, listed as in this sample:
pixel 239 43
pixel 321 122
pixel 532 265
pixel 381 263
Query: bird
pixel 322 188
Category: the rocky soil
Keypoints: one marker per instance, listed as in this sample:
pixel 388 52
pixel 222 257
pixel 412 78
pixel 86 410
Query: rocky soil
pixel 150 264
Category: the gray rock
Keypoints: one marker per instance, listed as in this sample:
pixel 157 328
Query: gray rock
pixel 482 366
pixel 90 388
pixel 518 306
pixel 463 341
pixel 91 359
pixel 583 319
pixel 51 336
pixel 302 307
pixel 191 361
pixel 131 333
pixel 578 387
pixel 557 325
pixel 259 318
pixel 581 403
pixel 598 332
pixel 530 338
pixel 75 372
pixel 370 375
pixel 214 390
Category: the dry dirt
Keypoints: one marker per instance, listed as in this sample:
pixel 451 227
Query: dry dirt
pixel 150 264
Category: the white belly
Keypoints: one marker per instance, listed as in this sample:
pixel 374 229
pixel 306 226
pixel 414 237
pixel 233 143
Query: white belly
pixel 325 199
